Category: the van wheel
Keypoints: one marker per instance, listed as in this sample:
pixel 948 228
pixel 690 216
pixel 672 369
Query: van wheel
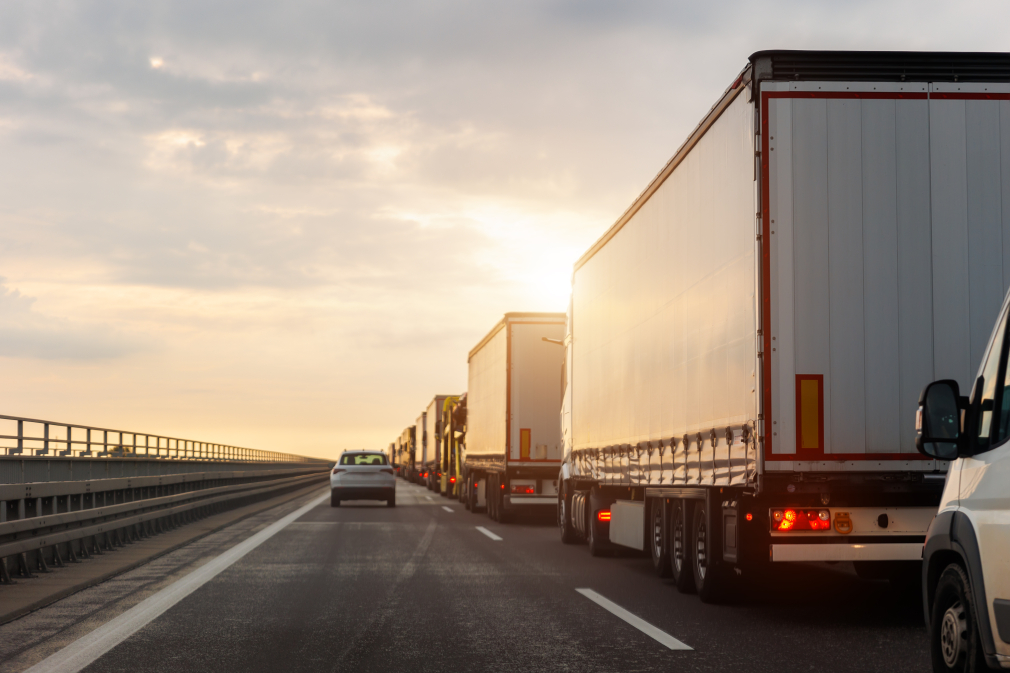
pixel 954 641
pixel 681 561
pixel 334 500
pixel 659 538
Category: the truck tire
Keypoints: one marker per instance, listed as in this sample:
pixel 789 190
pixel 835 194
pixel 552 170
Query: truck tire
pixel 334 500
pixel 568 534
pixel 710 579
pixel 492 497
pixel 954 641
pixel 596 547
pixel 681 563
pixel 659 544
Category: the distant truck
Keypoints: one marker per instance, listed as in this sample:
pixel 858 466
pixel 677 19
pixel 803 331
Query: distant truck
pixel 409 469
pixel 430 442
pixel 747 343
pixel 513 432
pixel 453 434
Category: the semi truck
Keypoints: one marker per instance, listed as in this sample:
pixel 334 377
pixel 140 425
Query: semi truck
pixel 409 469
pixel 513 431
pixel 431 442
pixel 452 430
pixel 746 344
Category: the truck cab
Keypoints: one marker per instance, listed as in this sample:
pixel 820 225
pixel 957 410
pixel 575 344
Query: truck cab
pixel 966 557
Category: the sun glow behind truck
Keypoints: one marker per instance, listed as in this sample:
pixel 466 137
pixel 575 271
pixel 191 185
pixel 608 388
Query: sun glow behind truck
pixel 746 345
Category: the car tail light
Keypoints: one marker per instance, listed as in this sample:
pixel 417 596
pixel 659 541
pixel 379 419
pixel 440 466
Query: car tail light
pixel 337 470
pixel 452 480
pixel 603 515
pixel 749 517
pixel 801 519
pixel 524 490
pixel 503 487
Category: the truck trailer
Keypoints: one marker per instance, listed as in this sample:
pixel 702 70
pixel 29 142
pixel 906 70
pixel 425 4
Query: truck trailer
pixel 431 441
pixel 409 469
pixel 747 343
pixel 513 431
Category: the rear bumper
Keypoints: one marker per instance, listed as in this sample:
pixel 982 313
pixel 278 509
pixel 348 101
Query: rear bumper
pixel 531 500
pixel 364 492
pixel 881 551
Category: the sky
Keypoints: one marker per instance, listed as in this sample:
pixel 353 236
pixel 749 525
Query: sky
pixel 283 225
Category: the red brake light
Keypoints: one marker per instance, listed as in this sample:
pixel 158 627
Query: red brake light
pixel 524 490
pixel 801 519
pixel 750 517
pixel 503 487
pixel 452 480
pixel 603 515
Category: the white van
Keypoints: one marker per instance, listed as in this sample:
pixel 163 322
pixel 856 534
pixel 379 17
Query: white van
pixel 966 556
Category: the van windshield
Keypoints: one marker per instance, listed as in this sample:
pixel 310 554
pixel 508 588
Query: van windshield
pixel 363 459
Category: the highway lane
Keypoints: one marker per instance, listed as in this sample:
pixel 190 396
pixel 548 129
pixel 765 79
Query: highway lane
pixel 420 588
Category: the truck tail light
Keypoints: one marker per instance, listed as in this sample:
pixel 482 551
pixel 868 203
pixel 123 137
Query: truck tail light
pixel 603 515
pixel 524 490
pixel 800 519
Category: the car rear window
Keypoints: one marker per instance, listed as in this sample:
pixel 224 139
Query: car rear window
pixel 363 459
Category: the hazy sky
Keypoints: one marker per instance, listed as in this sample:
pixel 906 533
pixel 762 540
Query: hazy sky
pixel 283 225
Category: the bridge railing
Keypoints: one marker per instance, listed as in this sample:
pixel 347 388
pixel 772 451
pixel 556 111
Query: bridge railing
pixel 21 436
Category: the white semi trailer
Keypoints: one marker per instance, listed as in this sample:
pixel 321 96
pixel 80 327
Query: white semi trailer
pixel 513 430
pixel 747 343
pixel 429 430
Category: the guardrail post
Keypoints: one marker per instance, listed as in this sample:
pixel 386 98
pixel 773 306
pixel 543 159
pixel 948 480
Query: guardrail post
pixel 21 437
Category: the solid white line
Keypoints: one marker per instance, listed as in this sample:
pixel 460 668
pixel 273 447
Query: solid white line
pixel 82 652
pixel 488 533
pixel 639 623
pixel 447 509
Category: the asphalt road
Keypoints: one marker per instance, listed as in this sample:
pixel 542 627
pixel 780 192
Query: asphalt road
pixel 364 587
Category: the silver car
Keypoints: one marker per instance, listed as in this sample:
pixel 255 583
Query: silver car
pixel 362 475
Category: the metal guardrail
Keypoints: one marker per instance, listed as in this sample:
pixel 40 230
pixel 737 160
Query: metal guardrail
pixel 50 524
pixel 71 440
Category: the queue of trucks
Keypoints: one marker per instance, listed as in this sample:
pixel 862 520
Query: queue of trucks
pixel 735 381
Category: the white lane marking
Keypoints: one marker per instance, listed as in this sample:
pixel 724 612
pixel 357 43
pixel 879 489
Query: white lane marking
pixel 447 509
pixel 488 533
pixel 639 623
pixel 83 651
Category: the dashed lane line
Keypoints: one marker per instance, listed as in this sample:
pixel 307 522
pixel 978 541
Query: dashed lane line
pixel 639 623
pixel 87 649
pixel 447 509
pixel 489 533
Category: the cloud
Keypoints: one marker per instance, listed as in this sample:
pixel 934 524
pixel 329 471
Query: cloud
pixel 25 333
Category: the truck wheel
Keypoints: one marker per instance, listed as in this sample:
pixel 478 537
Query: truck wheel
pixel 709 578
pixel 954 641
pixel 492 497
pixel 681 563
pixel 596 547
pixel 659 537
pixel 568 534
pixel 334 500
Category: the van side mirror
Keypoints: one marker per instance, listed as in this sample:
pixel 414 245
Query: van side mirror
pixel 938 420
